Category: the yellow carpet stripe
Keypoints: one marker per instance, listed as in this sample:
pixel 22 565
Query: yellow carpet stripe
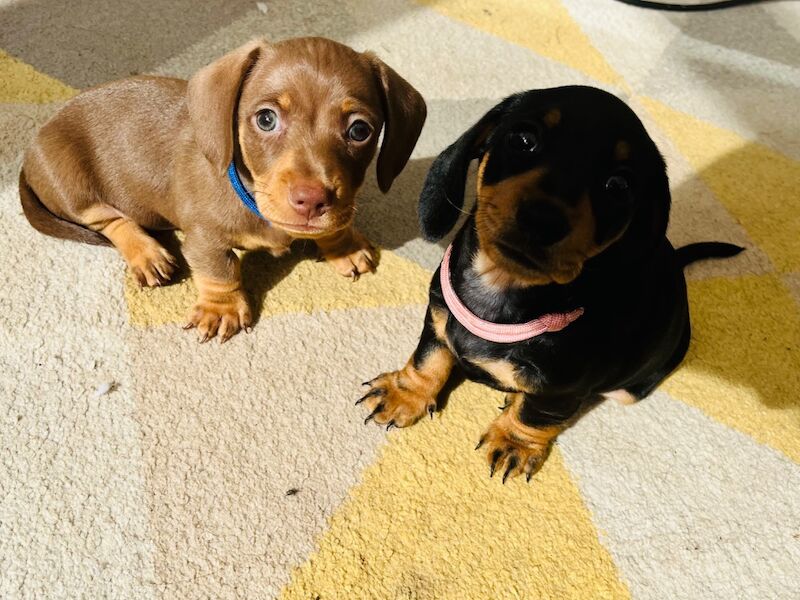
pixel 428 523
pixel 543 26
pixel 290 284
pixel 758 185
pixel 22 84
pixel 743 368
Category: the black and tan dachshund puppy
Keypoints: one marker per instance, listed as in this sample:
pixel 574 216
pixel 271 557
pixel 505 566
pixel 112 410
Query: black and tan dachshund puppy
pixel 561 287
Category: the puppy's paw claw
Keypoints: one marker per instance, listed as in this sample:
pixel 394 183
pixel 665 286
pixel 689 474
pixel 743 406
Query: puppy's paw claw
pixel 515 449
pixel 374 412
pixel 225 320
pixel 395 402
pixel 359 257
pixel 153 266
pixel 371 394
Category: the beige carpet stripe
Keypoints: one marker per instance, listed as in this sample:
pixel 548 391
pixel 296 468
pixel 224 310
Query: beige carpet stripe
pixel 228 430
pixel 71 485
pixel 687 507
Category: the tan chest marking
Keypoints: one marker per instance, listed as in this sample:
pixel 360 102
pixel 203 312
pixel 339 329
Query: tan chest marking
pixel 492 275
pixel 275 242
pixel 439 319
pixel 505 373
pixel 621 396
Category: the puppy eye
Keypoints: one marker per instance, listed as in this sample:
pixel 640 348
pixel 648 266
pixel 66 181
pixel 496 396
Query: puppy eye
pixel 523 141
pixel 267 119
pixel 617 183
pixel 359 131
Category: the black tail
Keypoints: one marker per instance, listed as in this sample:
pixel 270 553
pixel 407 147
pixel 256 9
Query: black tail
pixel 692 252
pixel 43 220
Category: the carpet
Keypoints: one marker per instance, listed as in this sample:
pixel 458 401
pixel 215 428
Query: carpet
pixel 139 464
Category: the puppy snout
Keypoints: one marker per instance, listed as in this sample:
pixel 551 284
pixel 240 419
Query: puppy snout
pixel 310 199
pixel 542 223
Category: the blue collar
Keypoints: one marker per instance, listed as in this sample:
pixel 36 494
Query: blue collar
pixel 245 196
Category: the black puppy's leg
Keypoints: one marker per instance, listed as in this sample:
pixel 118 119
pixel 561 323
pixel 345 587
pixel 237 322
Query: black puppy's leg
pixel 520 439
pixel 401 398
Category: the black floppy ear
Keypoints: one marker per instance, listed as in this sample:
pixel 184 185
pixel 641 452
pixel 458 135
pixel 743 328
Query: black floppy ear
pixel 442 196
pixel 651 201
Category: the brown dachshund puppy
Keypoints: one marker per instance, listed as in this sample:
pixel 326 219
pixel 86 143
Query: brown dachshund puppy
pixel 268 144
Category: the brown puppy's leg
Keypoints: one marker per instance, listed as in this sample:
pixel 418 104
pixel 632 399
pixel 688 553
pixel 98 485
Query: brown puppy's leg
pixel 522 436
pixel 349 253
pixel 401 398
pixel 221 306
pixel 148 260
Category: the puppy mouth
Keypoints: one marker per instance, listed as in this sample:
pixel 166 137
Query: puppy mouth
pixel 298 227
pixel 308 229
pixel 318 226
pixel 520 257
pixel 276 210
pixel 540 264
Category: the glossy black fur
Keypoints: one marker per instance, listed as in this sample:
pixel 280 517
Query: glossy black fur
pixel 635 329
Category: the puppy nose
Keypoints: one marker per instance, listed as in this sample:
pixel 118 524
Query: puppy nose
pixel 542 223
pixel 309 199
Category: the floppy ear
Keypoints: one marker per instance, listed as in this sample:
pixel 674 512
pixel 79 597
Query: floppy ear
pixel 611 215
pixel 442 196
pixel 212 97
pixel 650 219
pixel 404 114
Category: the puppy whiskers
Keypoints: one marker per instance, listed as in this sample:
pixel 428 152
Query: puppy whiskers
pixel 446 197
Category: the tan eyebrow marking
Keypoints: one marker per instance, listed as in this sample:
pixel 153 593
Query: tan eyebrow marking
pixel 552 118
pixel 285 101
pixel 354 105
pixel 350 105
pixel 622 151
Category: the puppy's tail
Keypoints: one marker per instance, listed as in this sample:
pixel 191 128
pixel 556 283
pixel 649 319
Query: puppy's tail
pixel 693 252
pixel 46 222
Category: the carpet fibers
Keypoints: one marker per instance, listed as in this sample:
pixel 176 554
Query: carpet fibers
pixel 138 464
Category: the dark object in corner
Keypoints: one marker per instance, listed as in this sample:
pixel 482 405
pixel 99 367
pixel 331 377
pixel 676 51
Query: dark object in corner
pixel 688 7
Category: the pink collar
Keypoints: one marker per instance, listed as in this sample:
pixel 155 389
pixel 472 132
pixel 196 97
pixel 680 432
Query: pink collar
pixel 497 332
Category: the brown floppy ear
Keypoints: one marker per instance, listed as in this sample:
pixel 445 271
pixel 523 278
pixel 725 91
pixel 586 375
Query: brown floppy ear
pixel 212 97
pixel 404 114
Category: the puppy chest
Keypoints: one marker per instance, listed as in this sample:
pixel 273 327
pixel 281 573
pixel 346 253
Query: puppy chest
pixel 503 374
pixel 273 241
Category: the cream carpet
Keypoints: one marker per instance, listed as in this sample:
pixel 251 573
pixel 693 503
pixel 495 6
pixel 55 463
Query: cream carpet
pixel 138 464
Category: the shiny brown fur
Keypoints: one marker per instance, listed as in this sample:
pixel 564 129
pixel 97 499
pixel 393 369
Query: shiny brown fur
pixel 150 153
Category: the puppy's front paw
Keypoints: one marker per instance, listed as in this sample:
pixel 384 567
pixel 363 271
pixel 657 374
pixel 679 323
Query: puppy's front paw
pixel 515 448
pixel 224 318
pixel 152 266
pixel 351 256
pixel 395 401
